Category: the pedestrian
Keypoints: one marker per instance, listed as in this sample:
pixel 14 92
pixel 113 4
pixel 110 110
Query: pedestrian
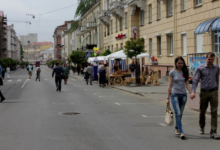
pixel 3 72
pixel 178 82
pixel 107 72
pixel 29 68
pixel 38 71
pixel 58 72
pixel 99 68
pixel 102 75
pixel 132 69
pixel 66 73
pixel 74 69
pixel 115 66
pixel 208 75
pixel 90 73
pixel 1 95
pixel 7 72
pixel 78 69
pixel 84 70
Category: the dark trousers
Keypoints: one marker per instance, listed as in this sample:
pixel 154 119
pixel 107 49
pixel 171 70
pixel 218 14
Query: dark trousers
pixel 38 77
pixel 205 99
pixel 3 75
pixel 58 82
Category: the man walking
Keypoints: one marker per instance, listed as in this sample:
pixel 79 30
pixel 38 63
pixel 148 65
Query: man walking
pixel 29 68
pixel 38 71
pixel 90 72
pixel 132 69
pixel 208 73
pixel 58 72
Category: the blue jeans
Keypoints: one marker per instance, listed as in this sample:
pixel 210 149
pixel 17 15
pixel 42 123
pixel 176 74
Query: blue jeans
pixel 90 76
pixel 178 101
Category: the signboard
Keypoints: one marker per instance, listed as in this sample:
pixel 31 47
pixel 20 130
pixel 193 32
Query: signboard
pixel 120 36
pixel 88 54
pixel 194 64
pixel 134 32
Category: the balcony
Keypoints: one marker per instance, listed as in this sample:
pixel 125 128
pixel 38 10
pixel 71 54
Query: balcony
pixel 104 17
pixel 117 9
pixel 91 25
pixel 79 33
pixel 137 3
pixel 84 29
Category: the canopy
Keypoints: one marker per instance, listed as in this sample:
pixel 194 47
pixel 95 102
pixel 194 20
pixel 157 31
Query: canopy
pixel 143 55
pixel 118 54
pixel 204 26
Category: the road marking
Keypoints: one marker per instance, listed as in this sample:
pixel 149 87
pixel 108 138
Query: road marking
pixel 73 79
pixel 75 84
pixel 137 103
pixel 144 116
pixel 25 83
pixel 117 103
pixel 85 89
pixel 162 124
pixel 19 80
pixel 45 79
pixel 9 80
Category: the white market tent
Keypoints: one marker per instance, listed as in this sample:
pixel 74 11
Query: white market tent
pixel 144 55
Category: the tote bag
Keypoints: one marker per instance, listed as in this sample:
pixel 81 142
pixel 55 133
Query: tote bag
pixel 169 116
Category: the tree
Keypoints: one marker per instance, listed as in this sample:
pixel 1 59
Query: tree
pixel 106 53
pixel 132 49
pixel 78 57
pixel 21 51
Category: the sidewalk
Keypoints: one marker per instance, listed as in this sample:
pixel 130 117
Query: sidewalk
pixel 160 93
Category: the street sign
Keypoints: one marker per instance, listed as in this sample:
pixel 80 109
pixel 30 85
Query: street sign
pixel 88 54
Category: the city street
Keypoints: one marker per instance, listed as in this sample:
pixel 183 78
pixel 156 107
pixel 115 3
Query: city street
pixel 35 116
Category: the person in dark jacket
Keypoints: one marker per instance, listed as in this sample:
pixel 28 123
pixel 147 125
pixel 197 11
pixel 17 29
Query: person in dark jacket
pixel 58 73
pixel 102 75
pixel 78 69
pixel 3 72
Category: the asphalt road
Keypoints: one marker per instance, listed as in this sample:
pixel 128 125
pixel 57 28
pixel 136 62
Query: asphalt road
pixel 108 119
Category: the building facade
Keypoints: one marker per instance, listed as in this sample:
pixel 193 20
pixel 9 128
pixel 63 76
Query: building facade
pixel 3 35
pixel 170 28
pixel 90 34
pixel 47 54
pixel 28 39
pixel 32 51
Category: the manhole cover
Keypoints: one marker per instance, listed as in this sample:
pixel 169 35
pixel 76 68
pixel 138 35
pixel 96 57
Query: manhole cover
pixel 69 113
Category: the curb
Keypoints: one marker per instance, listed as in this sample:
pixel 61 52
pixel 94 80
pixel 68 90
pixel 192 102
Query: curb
pixel 136 93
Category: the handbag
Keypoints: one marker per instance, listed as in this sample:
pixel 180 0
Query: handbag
pixel 169 116
pixel 1 81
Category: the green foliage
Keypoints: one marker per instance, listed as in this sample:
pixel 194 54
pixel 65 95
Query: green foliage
pixel 51 62
pixel 75 25
pixel 78 57
pixel 133 47
pixel 83 6
pixel 24 63
pixel 21 52
pixel 8 62
pixel 106 53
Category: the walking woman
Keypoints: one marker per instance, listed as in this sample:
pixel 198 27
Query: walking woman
pixel 102 75
pixel 178 82
pixel 66 73
pixel 1 83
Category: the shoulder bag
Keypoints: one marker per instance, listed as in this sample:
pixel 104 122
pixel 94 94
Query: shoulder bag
pixel 169 116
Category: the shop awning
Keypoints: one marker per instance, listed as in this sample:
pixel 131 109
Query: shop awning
pixel 204 26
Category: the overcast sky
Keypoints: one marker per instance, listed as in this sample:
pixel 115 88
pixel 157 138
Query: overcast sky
pixel 45 24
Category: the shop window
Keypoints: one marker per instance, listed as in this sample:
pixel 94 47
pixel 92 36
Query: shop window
pixel 199 43
pixel 217 41
pixel 184 44
pixel 142 17
pixel 150 13
pixel 158 9
pixel 151 47
pixel 159 45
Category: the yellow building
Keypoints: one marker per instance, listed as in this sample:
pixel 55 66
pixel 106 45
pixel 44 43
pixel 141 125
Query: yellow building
pixel 170 28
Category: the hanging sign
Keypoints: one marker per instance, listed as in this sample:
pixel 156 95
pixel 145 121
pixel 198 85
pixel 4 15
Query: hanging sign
pixel 120 36
pixel 134 32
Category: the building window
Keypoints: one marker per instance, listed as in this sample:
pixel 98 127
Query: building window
pixel 184 40
pixel 112 49
pixel 159 45
pixel 170 44
pixel 121 24
pixel 198 2
pixel 170 7
pixel 217 41
pixel 158 10
pixel 126 20
pixel 183 4
pixel 142 17
pixel 122 46
pixel 150 13
pixel 107 4
pixel 112 26
pixel 199 43
pixel 151 47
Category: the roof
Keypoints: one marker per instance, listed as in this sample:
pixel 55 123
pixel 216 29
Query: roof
pixel 42 43
pixel 48 50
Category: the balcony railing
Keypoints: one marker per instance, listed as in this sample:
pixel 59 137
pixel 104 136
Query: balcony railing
pixel 103 13
pixel 91 25
pixel 84 29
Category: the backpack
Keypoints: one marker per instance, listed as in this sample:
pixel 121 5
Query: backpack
pixel 38 71
pixel 132 67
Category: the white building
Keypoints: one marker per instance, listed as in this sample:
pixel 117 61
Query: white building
pixel 47 54
pixel 28 39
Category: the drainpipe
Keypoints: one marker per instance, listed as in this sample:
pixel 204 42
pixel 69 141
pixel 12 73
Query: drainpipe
pixel 174 32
